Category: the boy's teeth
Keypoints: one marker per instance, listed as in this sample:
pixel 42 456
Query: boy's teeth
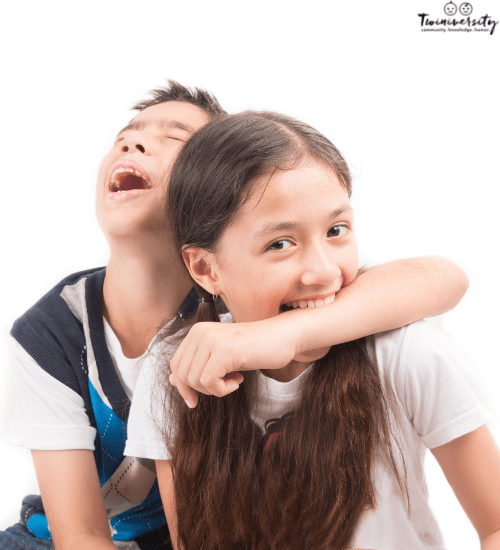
pixel 319 303
pixel 116 183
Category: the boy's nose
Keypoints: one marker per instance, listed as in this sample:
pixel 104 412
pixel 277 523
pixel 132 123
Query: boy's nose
pixel 136 141
pixel 127 147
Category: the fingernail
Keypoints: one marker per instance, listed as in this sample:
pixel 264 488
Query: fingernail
pixel 188 403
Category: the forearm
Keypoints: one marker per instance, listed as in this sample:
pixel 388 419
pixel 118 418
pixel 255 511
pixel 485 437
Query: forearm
pixel 382 298
pixel 167 492
pixel 72 499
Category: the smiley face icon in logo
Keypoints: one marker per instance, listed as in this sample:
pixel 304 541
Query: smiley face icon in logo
pixel 466 8
pixel 450 8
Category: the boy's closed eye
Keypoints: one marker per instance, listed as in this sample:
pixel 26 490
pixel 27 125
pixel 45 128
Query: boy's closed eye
pixel 176 138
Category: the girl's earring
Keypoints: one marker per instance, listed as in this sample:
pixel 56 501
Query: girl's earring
pixel 214 296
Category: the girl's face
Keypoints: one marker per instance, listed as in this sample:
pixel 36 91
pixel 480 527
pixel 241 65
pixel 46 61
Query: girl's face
pixel 292 244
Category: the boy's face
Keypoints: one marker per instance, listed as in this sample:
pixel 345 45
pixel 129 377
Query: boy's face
pixel 133 176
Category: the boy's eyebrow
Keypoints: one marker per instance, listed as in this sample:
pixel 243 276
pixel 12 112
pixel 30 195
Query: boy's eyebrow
pixel 172 123
pixel 161 122
pixel 283 226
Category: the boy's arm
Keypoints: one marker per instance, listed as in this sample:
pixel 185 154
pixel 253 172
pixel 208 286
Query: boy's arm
pixel 166 484
pixel 381 298
pixel 72 500
pixel 471 464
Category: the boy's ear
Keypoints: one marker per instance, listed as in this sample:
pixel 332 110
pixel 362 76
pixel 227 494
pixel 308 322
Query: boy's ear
pixel 200 264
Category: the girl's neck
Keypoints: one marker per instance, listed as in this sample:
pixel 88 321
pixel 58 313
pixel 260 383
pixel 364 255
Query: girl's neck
pixel 288 373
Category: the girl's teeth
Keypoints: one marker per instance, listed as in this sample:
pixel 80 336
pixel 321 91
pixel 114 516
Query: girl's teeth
pixel 312 303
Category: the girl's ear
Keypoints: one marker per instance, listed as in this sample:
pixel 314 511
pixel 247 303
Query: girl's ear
pixel 200 264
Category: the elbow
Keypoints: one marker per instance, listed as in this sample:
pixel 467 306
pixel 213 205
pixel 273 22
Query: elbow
pixel 455 278
pixel 460 282
pixel 464 281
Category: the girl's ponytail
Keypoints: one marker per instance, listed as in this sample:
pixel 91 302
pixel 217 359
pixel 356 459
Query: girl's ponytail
pixel 208 309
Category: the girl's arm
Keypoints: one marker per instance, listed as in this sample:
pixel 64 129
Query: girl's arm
pixel 72 500
pixel 381 298
pixel 166 484
pixel 471 464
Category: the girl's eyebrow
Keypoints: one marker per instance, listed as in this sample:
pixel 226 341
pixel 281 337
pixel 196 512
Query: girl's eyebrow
pixel 273 227
pixel 283 226
pixel 340 210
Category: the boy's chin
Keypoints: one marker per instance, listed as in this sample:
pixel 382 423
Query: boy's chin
pixel 312 355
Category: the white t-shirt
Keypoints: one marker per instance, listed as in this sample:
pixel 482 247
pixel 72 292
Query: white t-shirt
pixel 45 414
pixel 419 364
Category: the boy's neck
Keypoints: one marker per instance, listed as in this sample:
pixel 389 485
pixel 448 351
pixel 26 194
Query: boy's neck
pixel 141 293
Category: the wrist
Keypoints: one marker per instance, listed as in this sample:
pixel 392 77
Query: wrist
pixel 303 329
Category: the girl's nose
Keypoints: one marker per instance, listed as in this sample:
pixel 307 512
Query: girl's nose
pixel 320 270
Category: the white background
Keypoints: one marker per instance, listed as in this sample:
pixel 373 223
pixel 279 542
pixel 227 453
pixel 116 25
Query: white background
pixel 416 114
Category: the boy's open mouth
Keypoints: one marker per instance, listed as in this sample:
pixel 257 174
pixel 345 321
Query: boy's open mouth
pixel 128 178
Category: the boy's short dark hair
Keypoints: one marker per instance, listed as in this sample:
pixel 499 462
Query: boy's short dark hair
pixel 177 92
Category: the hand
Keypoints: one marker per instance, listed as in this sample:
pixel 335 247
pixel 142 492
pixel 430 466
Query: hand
pixel 212 354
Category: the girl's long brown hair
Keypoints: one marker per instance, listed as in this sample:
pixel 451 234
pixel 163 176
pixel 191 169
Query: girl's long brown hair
pixel 310 486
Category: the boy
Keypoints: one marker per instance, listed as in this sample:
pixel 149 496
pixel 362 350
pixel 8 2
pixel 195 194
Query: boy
pixel 78 351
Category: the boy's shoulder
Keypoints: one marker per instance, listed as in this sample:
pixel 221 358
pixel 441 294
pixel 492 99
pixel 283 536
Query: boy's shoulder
pixel 53 307
pixel 64 326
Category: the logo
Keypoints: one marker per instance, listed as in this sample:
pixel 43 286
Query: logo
pixel 466 8
pixel 450 8
pixel 458 19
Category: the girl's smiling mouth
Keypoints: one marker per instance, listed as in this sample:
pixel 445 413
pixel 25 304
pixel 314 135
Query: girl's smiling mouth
pixel 308 302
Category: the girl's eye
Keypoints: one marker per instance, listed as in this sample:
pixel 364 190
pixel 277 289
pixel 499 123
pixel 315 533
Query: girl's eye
pixel 172 137
pixel 280 245
pixel 337 231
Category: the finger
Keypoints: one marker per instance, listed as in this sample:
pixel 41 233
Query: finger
pixel 187 393
pixel 235 375
pixel 219 379
pixel 179 352
pixel 197 367
pixel 185 360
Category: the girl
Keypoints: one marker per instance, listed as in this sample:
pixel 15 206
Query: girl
pixel 325 453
